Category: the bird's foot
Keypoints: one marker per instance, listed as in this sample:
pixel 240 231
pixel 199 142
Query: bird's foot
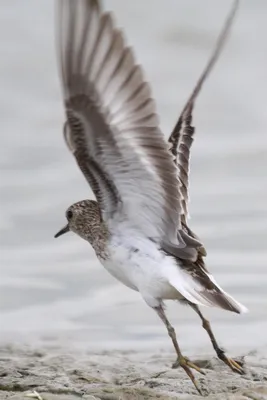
pixel 234 365
pixel 187 365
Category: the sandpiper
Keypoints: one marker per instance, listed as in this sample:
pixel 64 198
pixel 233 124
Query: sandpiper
pixel 138 226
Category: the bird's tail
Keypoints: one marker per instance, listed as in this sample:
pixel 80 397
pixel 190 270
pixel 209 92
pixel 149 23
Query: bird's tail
pixel 223 300
pixel 199 287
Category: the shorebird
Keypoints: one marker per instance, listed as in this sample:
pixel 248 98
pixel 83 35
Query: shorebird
pixel 138 226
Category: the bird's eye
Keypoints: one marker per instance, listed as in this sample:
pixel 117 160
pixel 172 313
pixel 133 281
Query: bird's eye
pixel 69 215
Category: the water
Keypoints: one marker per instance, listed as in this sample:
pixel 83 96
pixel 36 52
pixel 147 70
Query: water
pixel 55 290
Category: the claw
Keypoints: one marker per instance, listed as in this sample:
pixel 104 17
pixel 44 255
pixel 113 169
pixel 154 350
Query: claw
pixel 235 367
pixel 194 366
pixel 186 364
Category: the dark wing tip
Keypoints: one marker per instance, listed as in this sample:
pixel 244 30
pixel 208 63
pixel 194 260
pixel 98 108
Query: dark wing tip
pixel 93 4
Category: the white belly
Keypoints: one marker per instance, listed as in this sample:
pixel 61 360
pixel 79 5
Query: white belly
pixel 138 263
pixel 142 267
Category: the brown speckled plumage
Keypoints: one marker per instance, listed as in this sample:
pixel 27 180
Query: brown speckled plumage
pixel 87 222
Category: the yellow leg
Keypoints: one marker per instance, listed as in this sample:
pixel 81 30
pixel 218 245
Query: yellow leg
pixel 220 353
pixel 186 364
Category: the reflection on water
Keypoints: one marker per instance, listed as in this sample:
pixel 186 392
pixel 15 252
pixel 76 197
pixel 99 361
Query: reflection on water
pixel 57 289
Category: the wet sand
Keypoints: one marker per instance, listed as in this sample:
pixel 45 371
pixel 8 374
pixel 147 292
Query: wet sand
pixel 61 374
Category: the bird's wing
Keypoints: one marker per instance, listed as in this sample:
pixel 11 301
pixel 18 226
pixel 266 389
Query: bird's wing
pixel 182 136
pixel 112 126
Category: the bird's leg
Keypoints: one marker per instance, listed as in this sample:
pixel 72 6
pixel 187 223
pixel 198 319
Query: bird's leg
pixel 183 361
pixel 220 353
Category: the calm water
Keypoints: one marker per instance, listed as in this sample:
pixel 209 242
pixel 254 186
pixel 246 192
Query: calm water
pixel 55 290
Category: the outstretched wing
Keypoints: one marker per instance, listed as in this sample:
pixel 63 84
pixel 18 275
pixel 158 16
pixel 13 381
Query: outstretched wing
pixel 112 125
pixel 182 136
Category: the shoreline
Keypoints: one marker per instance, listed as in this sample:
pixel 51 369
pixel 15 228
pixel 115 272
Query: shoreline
pixel 61 374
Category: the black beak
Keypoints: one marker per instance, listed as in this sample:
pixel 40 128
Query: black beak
pixel 62 231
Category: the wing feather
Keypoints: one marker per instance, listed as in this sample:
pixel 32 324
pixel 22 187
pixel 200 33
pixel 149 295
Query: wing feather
pixel 112 125
pixel 182 136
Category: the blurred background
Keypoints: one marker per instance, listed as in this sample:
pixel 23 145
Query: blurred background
pixel 55 290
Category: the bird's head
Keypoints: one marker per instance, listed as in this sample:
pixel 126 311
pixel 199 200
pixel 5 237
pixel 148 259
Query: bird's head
pixel 84 218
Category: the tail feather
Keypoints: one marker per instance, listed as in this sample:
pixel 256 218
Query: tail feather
pixel 204 290
pixel 223 299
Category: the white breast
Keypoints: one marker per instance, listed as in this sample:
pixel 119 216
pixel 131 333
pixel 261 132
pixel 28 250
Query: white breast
pixel 138 263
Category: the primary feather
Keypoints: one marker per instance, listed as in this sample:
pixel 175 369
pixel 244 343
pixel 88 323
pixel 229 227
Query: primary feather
pixel 182 136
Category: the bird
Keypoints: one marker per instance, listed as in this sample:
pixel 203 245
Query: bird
pixel 138 224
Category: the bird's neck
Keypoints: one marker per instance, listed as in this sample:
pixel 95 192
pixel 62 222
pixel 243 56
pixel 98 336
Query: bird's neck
pixel 99 240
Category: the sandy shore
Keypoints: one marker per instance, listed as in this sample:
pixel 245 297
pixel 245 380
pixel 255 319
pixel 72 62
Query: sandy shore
pixel 58 374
